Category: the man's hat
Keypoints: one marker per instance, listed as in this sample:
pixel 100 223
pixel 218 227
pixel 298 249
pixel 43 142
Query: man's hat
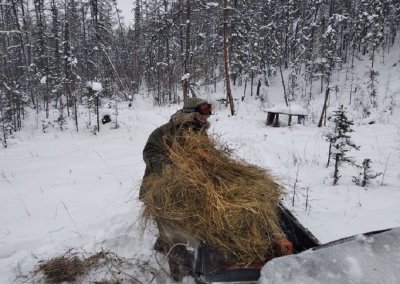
pixel 197 105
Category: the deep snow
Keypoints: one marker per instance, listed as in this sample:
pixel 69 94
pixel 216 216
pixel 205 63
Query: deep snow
pixel 365 259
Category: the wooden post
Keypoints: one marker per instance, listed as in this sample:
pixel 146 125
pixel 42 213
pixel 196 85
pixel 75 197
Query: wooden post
pixel 276 124
pixel 290 120
pixel 270 118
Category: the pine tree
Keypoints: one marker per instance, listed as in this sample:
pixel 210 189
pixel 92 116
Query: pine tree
pixel 340 142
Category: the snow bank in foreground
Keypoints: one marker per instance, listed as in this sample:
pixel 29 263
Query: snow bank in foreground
pixel 374 259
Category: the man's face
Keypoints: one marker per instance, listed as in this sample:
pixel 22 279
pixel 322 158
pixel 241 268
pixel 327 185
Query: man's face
pixel 201 117
pixel 203 112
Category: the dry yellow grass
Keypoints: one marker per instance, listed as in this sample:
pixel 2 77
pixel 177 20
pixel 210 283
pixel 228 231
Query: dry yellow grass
pixel 225 203
pixel 67 267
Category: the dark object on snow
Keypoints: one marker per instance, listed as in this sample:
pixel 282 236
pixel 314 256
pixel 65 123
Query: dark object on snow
pixel 106 119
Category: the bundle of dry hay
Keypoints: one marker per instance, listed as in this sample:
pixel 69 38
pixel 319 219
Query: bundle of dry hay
pixel 225 203
pixel 76 265
pixel 68 267
pixel 63 268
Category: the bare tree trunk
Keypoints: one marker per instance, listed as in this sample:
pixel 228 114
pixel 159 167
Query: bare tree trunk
pixel 27 59
pixel 67 62
pixel 76 113
pixel 373 56
pixel 252 83
pixel 245 87
pixel 283 84
pixel 137 35
pixel 97 111
pixel 226 58
pixel 187 54
pixel 323 113
pixel 329 155
pixel 312 56
pixel 167 53
pixel 336 172
pixel 258 88
pixel 46 95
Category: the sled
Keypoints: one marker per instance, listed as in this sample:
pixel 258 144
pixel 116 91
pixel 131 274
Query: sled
pixel 210 266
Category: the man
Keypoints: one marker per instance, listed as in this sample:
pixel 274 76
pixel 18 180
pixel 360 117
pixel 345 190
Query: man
pixel 193 117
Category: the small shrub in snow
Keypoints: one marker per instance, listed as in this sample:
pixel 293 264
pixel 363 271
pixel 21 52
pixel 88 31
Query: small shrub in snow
pixel 6 132
pixel 46 124
pixel 61 119
pixel 94 129
pixel 3 139
pixel 366 174
pixel 115 113
pixel 340 142
pixel 371 87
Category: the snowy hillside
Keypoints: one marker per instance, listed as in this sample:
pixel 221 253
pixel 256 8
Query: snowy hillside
pixel 61 190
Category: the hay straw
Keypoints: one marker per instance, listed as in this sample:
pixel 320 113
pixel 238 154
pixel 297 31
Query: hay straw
pixel 63 268
pixel 225 203
pixel 71 266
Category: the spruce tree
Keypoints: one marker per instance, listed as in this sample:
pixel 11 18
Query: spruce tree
pixel 340 142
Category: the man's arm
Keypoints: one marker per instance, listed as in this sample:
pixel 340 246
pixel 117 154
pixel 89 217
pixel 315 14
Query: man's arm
pixel 155 153
pixel 155 157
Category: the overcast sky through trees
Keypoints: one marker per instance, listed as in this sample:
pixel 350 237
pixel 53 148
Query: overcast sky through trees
pixel 126 7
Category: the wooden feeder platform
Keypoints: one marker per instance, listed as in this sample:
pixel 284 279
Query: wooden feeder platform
pixel 291 111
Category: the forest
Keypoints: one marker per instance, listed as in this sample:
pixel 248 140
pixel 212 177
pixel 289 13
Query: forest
pixel 69 54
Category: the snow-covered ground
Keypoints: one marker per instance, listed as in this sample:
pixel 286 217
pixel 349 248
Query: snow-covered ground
pixel 61 190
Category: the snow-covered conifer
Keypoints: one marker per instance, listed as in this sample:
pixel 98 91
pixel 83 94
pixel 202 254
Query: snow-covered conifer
pixel 366 174
pixel 340 142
